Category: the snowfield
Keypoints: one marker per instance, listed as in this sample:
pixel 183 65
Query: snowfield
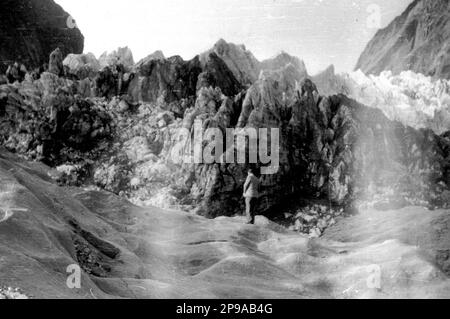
pixel 126 251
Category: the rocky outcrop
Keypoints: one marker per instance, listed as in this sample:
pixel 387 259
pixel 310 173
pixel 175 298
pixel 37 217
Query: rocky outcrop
pixel 331 148
pixel 15 73
pixel 48 120
pixel 418 40
pixel 81 66
pixel 170 79
pixel 30 30
pixel 238 59
pixel 55 64
pixel 282 60
pixel 157 55
pixel 217 74
pixel 329 83
pixel 122 56
pixel 245 67
pixel 173 79
pixel 112 81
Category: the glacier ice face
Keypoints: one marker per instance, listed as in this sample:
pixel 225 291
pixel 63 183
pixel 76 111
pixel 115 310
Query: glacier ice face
pixel 410 98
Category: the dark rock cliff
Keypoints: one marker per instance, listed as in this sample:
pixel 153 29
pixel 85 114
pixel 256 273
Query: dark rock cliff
pixel 331 148
pixel 31 29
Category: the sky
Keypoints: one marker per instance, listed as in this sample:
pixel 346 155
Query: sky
pixel 320 32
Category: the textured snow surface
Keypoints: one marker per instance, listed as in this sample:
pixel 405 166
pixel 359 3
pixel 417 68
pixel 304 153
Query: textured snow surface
pixel 411 98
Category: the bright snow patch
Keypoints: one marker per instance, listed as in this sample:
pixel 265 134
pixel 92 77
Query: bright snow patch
pixel 411 98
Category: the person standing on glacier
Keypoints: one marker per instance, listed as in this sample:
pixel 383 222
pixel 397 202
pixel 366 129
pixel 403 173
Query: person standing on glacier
pixel 251 195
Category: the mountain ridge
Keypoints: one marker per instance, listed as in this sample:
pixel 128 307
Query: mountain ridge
pixel 417 40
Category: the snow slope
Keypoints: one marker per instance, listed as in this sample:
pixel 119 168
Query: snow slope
pixel 130 252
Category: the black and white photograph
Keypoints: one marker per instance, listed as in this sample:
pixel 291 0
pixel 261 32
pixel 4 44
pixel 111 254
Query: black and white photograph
pixel 224 150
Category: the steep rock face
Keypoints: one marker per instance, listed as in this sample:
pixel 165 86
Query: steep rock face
pixel 330 148
pixel 157 55
pixel 239 60
pixel 217 74
pixel 30 30
pixel 245 67
pixel 281 61
pixel 341 150
pixel 171 79
pixel 418 40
